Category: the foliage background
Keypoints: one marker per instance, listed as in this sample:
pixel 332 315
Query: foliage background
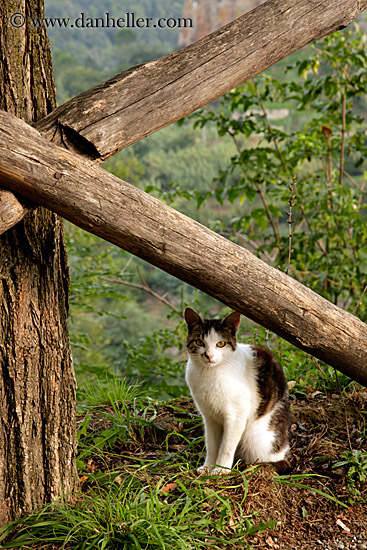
pixel 295 133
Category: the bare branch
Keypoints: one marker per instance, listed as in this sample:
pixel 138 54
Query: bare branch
pixel 143 287
pixel 261 193
pixel 292 189
pixel 360 300
pixel 342 147
pixel 275 139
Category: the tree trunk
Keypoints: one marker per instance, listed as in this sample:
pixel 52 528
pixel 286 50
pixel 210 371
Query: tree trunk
pixel 37 383
pixel 102 204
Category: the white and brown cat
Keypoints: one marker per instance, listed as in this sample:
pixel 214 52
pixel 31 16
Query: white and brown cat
pixel 241 393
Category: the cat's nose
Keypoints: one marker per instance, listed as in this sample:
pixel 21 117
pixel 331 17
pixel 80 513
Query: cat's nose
pixel 209 356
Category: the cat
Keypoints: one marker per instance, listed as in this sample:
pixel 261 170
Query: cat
pixel 241 393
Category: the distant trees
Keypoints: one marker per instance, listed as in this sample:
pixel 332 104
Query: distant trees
pixel 297 183
pixel 94 55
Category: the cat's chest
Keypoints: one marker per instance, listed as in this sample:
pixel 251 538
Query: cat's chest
pixel 220 391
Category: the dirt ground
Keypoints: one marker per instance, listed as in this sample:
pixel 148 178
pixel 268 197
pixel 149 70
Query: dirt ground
pixel 322 428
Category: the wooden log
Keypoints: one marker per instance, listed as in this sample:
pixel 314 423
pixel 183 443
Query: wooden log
pixel 143 99
pixel 148 97
pixel 12 210
pixel 97 201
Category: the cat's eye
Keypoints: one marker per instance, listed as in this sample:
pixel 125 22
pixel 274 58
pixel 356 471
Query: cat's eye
pixel 199 342
pixel 221 344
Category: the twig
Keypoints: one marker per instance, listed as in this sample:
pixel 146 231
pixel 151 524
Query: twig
pixel 319 241
pixel 265 113
pixel 318 366
pixel 352 180
pixel 262 196
pixel 292 189
pixel 126 265
pixel 328 166
pixel 327 131
pixel 361 195
pixel 342 147
pixel 145 288
pixel 268 213
pixel 144 280
pixel 345 410
pixel 359 301
pixel 182 298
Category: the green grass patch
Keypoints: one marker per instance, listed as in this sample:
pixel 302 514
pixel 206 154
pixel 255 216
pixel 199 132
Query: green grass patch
pixel 127 514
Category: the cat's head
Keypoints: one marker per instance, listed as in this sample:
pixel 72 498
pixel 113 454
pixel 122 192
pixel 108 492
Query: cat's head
pixel 211 341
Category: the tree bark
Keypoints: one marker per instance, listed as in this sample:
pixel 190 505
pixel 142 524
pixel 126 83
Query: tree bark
pixel 102 204
pixel 37 384
pixel 143 99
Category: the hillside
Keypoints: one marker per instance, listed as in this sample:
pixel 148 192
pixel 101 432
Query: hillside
pixel 85 56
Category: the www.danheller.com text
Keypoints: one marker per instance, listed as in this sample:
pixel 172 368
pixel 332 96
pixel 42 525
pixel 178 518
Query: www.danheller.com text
pixel 127 20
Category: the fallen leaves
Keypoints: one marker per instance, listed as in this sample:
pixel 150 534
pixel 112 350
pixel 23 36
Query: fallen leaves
pixel 342 525
pixel 169 487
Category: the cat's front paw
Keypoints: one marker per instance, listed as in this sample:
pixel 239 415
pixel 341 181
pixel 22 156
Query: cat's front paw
pixel 203 470
pixel 219 471
pixel 213 470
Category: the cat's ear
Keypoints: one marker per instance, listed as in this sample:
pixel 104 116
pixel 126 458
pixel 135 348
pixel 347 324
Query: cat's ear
pixel 192 318
pixel 232 321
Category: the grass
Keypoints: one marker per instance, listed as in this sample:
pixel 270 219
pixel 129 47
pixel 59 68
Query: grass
pixel 105 392
pixel 123 411
pixel 126 514
pixel 153 503
pixel 140 489
pixel 356 463
pixel 294 481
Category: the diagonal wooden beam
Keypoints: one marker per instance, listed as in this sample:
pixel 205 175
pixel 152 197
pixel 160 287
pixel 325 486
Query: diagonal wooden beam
pixel 97 201
pixel 146 98
pixel 135 103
